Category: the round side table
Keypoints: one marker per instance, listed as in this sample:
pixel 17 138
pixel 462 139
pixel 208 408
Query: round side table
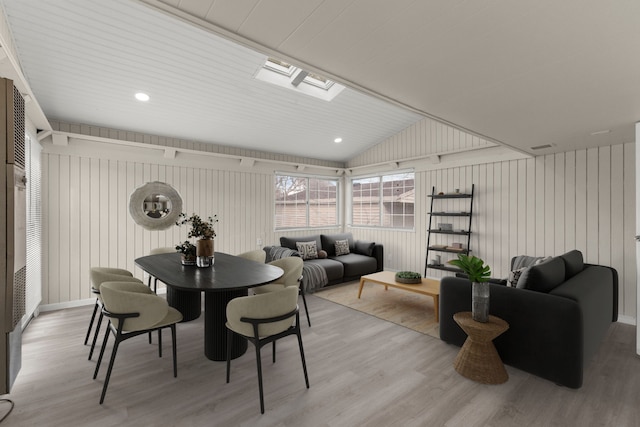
pixel 478 358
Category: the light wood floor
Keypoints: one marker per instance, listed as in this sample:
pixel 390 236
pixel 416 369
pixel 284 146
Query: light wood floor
pixel 363 372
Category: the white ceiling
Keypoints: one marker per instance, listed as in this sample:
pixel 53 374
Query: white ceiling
pixel 523 73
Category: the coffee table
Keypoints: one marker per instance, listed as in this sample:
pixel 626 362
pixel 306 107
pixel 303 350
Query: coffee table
pixel 428 287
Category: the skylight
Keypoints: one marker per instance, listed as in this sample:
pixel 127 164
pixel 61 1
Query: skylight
pixel 291 77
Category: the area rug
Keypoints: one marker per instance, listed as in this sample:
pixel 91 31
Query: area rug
pixel 408 309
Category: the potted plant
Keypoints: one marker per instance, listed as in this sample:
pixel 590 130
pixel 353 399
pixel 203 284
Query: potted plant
pixel 408 277
pixel 478 274
pixel 187 252
pixel 204 232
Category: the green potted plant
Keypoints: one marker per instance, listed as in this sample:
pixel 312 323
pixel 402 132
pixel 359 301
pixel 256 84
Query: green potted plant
pixel 187 252
pixel 204 232
pixel 408 277
pixel 478 274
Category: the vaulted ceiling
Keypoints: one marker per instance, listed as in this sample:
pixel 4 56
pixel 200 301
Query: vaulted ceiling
pixel 525 74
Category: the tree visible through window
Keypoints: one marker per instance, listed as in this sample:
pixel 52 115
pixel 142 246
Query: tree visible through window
pixel 302 202
pixel 383 201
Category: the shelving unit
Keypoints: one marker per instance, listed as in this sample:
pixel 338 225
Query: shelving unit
pixel 466 231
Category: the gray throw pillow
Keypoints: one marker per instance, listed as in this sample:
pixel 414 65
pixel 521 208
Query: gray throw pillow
pixel 364 248
pixel 543 277
pixel 342 247
pixel 308 250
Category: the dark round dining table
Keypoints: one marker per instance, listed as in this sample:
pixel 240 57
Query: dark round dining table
pixel 230 277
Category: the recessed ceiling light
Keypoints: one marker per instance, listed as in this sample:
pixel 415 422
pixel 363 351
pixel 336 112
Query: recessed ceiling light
pixel 600 132
pixel 140 96
pixel 337 140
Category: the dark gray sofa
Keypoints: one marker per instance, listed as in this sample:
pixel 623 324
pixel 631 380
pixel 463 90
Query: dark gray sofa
pixel 557 318
pixel 363 258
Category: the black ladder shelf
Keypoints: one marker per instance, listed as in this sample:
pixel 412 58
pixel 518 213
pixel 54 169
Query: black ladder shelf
pixel 433 233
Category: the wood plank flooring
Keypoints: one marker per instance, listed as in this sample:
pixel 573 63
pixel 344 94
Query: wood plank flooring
pixel 363 371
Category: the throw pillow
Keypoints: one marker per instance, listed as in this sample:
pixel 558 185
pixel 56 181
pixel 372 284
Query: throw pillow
pixel 342 247
pixel 543 277
pixel 364 248
pixel 322 254
pixel 514 276
pixel 308 250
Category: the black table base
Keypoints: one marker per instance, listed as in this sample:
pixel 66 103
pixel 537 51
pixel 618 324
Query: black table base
pixel 186 302
pixel 215 331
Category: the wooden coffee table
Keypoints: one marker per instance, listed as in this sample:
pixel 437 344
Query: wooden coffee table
pixel 428 287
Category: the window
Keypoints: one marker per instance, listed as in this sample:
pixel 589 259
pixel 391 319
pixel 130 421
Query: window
pixel 286 75
pixel 305 202
pixel 383 201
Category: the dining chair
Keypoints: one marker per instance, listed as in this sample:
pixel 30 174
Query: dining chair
pixel 258 255
pixel 157 251
pixel 133 309
pixel 264 319
pixel 98 275
pixel 292 276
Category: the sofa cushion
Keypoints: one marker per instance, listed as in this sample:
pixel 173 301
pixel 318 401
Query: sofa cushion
pixel 356 265
pixel 333 268
pixel 308 250
pixel 364 248
pixel 573 263
pixel 519 265
pixel 329 242
pixel 543 277
pixel 342 247
pixel 290 242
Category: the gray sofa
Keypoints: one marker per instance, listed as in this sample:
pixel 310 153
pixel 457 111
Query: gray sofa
pixel 558 315
pixel 363 258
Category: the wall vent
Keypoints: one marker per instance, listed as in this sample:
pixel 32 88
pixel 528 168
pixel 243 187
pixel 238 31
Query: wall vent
pixel 540 147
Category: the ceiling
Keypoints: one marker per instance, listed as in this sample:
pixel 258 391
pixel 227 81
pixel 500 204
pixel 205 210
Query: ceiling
pixel 525 74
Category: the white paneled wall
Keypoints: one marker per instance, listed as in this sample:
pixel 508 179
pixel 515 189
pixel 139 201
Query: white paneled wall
pixel 539 206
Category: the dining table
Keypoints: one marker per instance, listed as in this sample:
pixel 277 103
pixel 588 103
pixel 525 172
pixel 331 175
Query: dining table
pixel 229 277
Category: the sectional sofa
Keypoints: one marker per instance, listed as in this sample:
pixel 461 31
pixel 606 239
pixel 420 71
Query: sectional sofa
pixel 558 315
pixel 361 257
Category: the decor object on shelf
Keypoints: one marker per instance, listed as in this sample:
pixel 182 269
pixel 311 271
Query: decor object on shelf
pixel 155 205
pixel 478 273
pixel 408 277
pixel 205 233
pixel 187 253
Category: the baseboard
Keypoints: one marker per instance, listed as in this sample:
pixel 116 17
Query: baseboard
pixel 627 320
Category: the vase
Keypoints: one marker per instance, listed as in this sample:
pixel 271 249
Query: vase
pixel 204 252
pixel 480 301
pixel 188 259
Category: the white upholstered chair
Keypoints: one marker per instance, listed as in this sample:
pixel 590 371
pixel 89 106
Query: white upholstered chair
pixel 99 275
pixel 133 309
pixel 258 255
pixel 292 276
pixel 264 319
pixel 156 251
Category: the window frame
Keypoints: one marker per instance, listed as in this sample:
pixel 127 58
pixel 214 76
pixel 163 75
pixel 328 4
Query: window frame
pixel 307 201
pixel 381 211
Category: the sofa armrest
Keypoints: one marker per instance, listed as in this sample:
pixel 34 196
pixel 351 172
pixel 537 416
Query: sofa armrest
pixel 545 335
pixel 378 254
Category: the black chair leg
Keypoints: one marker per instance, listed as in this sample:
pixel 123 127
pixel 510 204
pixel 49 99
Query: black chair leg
pixel 111 362
pixel 229 339
pixel 95 335
pixel 306 310
pixel 104 345
pixel 259 363
pixel 274 351
pixel 173 343
pixel 159 342
pixel 93 317
pixel 304 364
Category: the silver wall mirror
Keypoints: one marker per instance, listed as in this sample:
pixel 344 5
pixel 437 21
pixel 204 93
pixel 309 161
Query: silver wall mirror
pixel 155 205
